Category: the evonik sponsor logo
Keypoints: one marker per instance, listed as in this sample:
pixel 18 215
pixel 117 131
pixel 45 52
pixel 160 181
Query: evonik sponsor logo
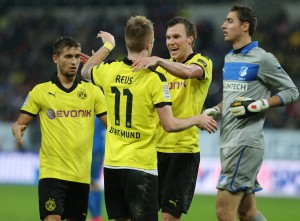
pixel 177 85
pixel 69 113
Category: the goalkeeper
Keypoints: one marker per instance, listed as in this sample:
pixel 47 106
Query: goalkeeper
pixel 249 74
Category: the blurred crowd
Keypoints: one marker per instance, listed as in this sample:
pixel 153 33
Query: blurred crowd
pixel 26 41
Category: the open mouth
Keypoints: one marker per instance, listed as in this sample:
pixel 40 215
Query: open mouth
pixel 173 50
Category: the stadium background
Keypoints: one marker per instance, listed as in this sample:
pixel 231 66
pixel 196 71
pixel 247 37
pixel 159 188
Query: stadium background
pixel 29 27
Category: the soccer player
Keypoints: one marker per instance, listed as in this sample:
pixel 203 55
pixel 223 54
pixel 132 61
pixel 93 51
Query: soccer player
pixel 66 106
pixel 249 75
pixel 95 196
pixel 133 98
pixel 189 76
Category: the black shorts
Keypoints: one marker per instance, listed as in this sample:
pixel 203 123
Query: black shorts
pixel 64 198
pixel 130 194
pixel 177 177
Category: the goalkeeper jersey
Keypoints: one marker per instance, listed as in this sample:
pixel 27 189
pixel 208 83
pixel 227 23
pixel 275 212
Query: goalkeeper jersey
pixel 188 96
pixel 131 99
pixel 67 127
pixel 251 72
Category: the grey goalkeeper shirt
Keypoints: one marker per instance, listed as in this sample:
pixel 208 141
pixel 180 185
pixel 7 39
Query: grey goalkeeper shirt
pixel 252 73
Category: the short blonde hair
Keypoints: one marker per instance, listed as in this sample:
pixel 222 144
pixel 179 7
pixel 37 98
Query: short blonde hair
pixel 138 32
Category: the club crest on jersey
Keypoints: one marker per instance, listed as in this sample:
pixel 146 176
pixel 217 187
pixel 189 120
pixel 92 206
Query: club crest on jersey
pixel 82 95
pixel 240 71
pixel 223 179
pixel 50 205
pixel 243 72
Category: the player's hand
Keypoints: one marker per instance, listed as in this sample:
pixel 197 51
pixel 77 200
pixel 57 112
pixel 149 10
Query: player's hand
pixel 214 112
pixel 84 57
pixel 207 123
pixel 107 37
pixel 18 131
pixel 244 107
pixel 145 63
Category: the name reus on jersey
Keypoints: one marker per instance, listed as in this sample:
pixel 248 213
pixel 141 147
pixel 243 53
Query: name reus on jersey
pixel 124 79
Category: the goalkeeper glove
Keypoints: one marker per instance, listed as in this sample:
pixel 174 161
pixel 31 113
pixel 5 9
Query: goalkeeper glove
pixel 244 107
pixel 212 111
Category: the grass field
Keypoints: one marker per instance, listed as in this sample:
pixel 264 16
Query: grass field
pixel 20 203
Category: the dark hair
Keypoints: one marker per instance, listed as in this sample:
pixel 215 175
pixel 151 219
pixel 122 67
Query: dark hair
pixel 138 32
pixel 64 42
pixel 246 14
pixel 190 27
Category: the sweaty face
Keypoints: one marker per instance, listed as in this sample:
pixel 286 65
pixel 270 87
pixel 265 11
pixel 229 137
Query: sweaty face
pixel 178 44
pixel 68 61
pixel 232 28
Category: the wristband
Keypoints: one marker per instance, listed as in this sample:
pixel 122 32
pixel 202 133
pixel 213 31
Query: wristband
pixel 108 45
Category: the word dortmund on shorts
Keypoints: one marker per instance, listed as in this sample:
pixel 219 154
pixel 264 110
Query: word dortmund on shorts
pixel 125 133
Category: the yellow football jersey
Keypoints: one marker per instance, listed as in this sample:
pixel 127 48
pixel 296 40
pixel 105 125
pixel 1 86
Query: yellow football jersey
pixel 188 96
pixel 67 127
pixel 131 99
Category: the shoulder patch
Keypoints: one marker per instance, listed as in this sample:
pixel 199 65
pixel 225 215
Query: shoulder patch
pixel 167 94
pixel 202 62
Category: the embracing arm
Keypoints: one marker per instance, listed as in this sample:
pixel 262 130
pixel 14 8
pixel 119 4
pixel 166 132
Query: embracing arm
pixel 180 70
pixel 172 124
pixel 183 71
pixel 19 127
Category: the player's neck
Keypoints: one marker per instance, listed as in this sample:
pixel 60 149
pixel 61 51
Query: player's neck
pixel 137 55
pixel 66 81
pixel 241 43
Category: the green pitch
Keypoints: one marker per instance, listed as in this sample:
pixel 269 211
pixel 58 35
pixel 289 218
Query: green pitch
pixel 18 203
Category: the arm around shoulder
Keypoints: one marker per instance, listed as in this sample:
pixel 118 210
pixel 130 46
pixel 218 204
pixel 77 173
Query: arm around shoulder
pixel 180 70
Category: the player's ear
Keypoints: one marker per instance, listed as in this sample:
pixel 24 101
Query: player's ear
pixel 191 40
pixel 149 45
pixel 55 58
pixel 245 26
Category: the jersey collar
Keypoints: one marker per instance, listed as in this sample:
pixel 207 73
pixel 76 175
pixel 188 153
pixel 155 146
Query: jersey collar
pixel 188 58
pixel 54 80
pixel 127 61
pixel 244 50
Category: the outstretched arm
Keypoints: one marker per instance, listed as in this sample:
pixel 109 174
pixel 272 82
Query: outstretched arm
pixel 99 56
pixel 19 127
pixel 172 124
pixel 183 71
